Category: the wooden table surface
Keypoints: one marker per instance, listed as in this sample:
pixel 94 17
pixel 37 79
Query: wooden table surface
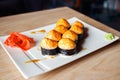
pixel 103 64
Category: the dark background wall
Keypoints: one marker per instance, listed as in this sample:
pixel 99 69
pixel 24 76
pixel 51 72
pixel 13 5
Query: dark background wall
pixel 105 11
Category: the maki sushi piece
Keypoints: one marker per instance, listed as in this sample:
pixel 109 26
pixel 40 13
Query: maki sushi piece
pixel 54 35
pixel 77 23
pixel 71 35
pixel 78 31
pixel 49 47
pixel 60 28
pixel 63 22
pixel 67 46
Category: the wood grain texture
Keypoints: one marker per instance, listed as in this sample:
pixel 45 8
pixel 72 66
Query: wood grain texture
pixel 103 64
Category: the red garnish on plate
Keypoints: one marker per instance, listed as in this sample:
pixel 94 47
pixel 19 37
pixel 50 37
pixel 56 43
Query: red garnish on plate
pixel 19 40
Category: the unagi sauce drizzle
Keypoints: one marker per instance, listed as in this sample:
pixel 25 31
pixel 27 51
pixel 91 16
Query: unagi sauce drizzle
pixel 35 60
pixel 42 31
pixel 39 31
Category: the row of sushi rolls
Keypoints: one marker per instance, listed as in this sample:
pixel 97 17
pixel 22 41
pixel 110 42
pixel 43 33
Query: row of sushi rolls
pixel 63 38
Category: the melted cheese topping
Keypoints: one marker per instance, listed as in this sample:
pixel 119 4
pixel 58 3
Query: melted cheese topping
pixel 60 28
pixel 54 35
pixel 78 24
pixel 71 35
pixel 48 44
pixel 66 44
pixel 63 22
pixel 76 29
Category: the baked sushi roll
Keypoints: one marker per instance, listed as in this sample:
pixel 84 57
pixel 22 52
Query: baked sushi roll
pixel 78 31
pixel 67 46
pixel 71 35
pixel 49 47
pixel 78 24
pixel 60 28
pixel 63 22
pixel 54 35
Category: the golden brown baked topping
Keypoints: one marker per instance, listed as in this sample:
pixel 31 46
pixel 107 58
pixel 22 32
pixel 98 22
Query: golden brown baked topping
pixel 66 44
pixel 76 29
pixel 60 28
pixel 48 43
pixel 63 22
pixel 54 35
pixel 71 35
pixel 78 24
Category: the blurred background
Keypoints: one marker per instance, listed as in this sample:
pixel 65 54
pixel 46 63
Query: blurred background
pixel 105 11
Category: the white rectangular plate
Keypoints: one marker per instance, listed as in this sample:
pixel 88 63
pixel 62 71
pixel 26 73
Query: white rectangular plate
pixel 94 41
